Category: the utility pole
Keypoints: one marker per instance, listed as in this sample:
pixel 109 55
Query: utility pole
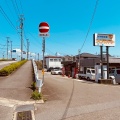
pixel 79 59
pixel 38 56
pixel 21 34
pixel 11 50
pixel 28 43
pixel 3 54
pixel 7 46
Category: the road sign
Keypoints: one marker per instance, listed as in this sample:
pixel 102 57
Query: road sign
pixel 43 27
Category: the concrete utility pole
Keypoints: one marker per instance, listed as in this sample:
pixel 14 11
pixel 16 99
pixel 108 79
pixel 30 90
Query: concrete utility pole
pixel 79 59
pixel 38 56
pixel 7 46
pixel 3 54
pixel 28 44
pixel 21 34
pixel 11 50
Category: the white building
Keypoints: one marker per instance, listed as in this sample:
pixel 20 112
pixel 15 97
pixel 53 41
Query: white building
pixel 53 61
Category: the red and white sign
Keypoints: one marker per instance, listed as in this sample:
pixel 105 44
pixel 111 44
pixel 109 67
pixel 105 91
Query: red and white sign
pixel 43 27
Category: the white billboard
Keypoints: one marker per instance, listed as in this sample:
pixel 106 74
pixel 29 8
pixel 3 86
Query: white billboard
pixel 103 39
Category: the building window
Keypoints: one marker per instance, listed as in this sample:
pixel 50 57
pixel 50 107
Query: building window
pixel 59 60
pixel 55 60
pixel 51 60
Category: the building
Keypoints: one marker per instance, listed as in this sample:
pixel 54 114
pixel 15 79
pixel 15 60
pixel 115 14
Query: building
pixel 80 63
pixel 53 61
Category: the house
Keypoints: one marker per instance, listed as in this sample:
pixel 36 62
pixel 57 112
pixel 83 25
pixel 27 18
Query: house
pixel 53 61
pixel 79 63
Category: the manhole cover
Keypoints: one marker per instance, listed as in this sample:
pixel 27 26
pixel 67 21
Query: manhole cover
pixel 25 115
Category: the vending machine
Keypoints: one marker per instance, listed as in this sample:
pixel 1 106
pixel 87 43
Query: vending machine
pixel 98 72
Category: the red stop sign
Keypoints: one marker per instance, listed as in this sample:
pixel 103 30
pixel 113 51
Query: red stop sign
pixel 43 27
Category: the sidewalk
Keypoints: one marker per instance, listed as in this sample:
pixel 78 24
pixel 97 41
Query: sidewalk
pixel 15 87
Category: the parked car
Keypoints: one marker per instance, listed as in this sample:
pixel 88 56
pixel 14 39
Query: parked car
pixel 56 72
pixel 89 74
pixel 49 69
pixel 116 74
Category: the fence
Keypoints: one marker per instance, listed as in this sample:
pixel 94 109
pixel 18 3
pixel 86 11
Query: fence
pixel 38 81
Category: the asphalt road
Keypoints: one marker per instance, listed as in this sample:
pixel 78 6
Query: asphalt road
pixel 5 63
pixel 67 98
pixel 72 99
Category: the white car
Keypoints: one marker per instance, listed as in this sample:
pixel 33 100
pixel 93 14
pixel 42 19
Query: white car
pixel 56 72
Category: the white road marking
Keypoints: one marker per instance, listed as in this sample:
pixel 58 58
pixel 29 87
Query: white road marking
pixel 12 103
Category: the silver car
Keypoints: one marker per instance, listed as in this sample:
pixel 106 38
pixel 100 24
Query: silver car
pixel 56 72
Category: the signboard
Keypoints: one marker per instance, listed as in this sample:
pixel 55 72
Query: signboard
pixel 44 34
pixel 103 39
pixel 43 29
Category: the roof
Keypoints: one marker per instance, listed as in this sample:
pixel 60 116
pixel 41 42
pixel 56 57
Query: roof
pixel 114 60
pixel 53 56
pixel 88 55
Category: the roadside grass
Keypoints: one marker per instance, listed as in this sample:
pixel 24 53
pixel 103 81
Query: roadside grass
pixel 10 68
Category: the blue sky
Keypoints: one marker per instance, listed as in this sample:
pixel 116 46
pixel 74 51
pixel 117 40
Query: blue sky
pixel 68 20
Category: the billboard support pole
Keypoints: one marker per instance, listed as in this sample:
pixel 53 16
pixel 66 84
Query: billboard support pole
pixel 101 51
pixel 107 51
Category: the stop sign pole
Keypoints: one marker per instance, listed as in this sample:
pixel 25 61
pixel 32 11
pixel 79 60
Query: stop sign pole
pixel 43 29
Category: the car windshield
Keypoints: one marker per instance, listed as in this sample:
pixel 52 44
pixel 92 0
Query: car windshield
pixel 118 71
pixel 93 71
pixel 112 71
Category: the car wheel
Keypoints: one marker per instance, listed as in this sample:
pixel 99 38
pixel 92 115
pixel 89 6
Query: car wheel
pixel 88 78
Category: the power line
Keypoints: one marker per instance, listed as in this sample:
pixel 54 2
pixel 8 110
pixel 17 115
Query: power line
pixel 21 6
pixel 15 8
pixel 90 23
pixel 9 8
pixel 7 18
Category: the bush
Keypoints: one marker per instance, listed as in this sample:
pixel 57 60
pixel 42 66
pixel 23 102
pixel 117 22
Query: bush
pixel 33 86
pixel 36 95
pixel 10 68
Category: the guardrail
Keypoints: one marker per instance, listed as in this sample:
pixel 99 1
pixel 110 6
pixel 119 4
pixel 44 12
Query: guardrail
pixel 38 81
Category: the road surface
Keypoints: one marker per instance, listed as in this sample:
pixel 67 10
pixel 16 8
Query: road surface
pixel 72 99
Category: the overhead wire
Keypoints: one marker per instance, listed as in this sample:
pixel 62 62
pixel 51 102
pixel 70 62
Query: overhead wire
pixel 9 9
pixel 90 24
pixel 7 18
pixel 15 8
pixel 21 6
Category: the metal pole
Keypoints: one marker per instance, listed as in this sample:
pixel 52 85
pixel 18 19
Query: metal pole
pixel 101 50
pixel 43 57
pixel 107 51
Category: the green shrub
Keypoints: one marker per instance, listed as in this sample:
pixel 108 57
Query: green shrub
pixel 36 95
pixel 33 86
pixel 10 68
